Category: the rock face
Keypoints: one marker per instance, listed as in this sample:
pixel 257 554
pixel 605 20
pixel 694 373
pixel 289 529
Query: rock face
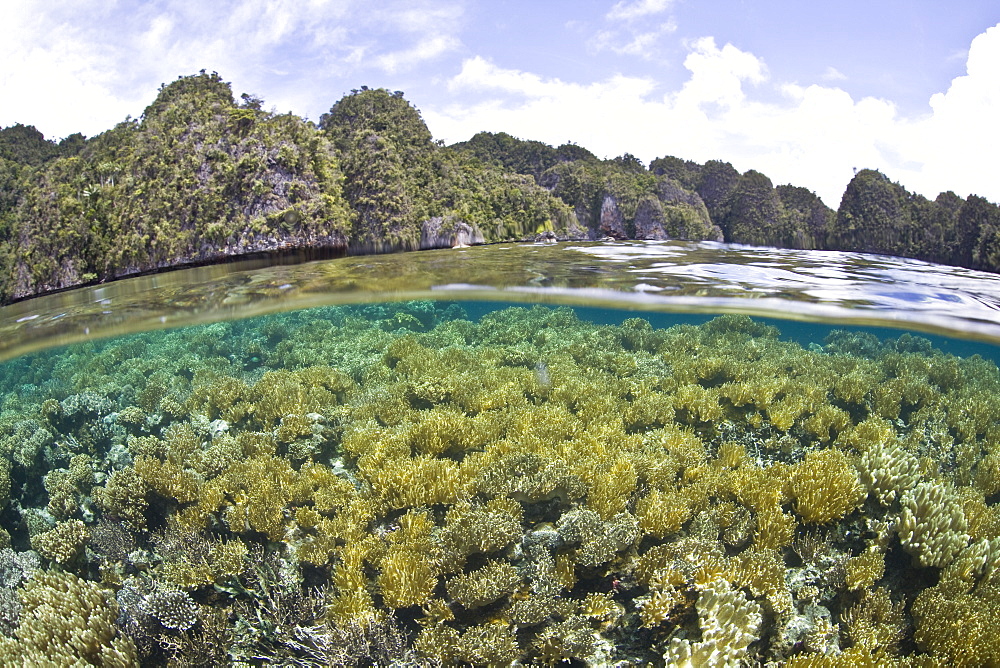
pixel 448 232
pixel 612 224
pixel 649 220
pixel 673 213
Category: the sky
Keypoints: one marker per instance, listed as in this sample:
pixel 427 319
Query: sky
pixel 805 92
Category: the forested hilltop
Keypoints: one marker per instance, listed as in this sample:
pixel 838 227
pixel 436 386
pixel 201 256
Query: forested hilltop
pixel 201 177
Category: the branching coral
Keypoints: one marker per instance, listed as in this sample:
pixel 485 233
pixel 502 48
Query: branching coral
pixel 407 578
pixel 825 487
pixel 729 623
pixel 662 513
pixel 124 496
pixel 864 570
pixel 932 525
pixel 888 472
pixel 959 627
pixel 470 529
pixel 172 608
pixel 599 541
pixel 876 622
pixel 66 620
pixel 67 486
pixel 484 585
pixel 63 543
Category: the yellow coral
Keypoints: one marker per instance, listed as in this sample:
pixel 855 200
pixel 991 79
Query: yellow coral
pixel 407 578
pixel 439 430
pixel 64 486
pixel 775 528
pixel 864 570
pixel 662 513
pixel 852 657
pixel 260 488
pixel 168 479
pixel 825 486
pixel 697 404
pixel 611 489
pixel 227 558
pixel 958 627
pixel 932 524
pixel 763 573
pixel 729 623
pixel 876 622
pixel 761 488
pixel 657 608
pixel 827 422
pixel 565 571
pixel 66 621
pixel 420 481
pixel 62 543
pixel 123 496
pixel 484 585
pixel 600 606
pixel 311 390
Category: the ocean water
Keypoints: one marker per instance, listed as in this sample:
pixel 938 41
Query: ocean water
pixel 588 454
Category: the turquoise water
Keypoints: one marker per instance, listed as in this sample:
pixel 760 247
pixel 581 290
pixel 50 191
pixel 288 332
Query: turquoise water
pixel 516 473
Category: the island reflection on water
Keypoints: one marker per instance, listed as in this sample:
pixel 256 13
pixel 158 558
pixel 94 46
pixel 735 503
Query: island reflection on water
pixel 684 277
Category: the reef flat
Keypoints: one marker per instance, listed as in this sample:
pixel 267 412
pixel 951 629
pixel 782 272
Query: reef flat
pixel 399 484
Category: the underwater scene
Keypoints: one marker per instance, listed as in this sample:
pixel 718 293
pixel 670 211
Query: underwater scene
pixel 431 483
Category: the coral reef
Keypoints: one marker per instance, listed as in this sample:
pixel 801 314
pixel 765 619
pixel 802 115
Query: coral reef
pixel 400 484
pixel 67 621
pixel 729 623
pixel 63 543
pixel 932 526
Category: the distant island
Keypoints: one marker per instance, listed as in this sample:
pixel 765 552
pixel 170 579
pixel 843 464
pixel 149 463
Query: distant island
pixel 202 177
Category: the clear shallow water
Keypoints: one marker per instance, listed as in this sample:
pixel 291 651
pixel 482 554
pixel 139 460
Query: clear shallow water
pixel 846 288
pixel 568 455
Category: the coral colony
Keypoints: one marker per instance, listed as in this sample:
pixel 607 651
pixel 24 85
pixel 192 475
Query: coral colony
pixel 398 484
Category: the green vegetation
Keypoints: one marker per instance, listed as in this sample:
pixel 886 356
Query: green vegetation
pixel 406 191
pixel 397 484
pixel 201 177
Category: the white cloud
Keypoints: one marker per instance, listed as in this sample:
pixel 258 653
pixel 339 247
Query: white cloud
pixel 427 49
pixel 833 74
pixel 83 65
pixel 632 30
pixel 629 11
pixel 633 42
pixel 49 76
pixel 729 109
pixel 717 75
pixel 957 145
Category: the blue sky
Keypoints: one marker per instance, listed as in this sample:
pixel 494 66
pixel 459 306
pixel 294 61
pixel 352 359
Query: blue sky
pixel 805 92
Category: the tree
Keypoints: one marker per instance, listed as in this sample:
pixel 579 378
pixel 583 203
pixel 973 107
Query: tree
pixel 716 183
pixel 874 216
pixel 976 222
pixel 25 145
pixel 387 155
pixel 755 213
pixel 808 216
pixel 985 217
pixel 684 172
